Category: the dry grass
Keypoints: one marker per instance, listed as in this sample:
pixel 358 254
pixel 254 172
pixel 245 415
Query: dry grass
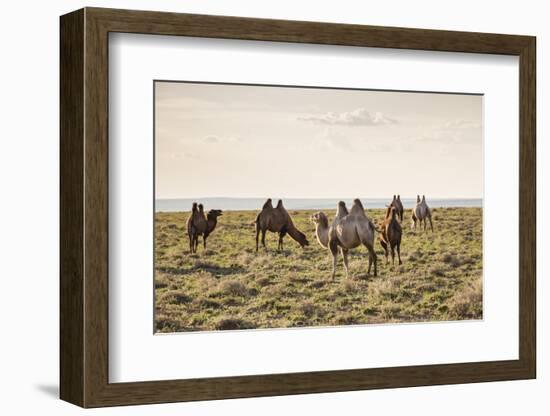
pixel 230 286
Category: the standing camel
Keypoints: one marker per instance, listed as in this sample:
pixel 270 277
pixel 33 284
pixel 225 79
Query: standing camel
pixel 396 202
pixel 211 222
pixel 277 220
pixel 421 212
pixel 201 224
pixel 390 235
pixel 348 230
pixel 196 224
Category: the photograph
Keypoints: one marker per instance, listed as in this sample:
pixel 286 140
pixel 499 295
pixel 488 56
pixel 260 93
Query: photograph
pixel 283 206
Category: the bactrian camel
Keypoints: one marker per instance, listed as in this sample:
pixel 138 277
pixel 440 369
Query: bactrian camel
pixel 200 224
pixel 420 213
pixel 396 202
pixel 348 230
pixel 277 220
pixel 390 235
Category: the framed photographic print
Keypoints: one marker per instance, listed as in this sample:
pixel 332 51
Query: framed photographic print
pixel 255 207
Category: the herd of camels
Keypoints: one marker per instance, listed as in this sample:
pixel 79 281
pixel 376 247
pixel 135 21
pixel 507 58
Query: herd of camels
pixel 349 228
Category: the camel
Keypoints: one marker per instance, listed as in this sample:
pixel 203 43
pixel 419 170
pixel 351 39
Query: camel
pixel 277 220
pixel 390 235
pixel 420 213
pixel 201 224
pixel 348 230
pixel 396 202
pixel 211 222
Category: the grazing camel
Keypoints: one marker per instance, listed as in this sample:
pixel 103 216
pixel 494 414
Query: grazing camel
pixel 348 230
pixel 396 202
pixel 420 213
pixel 200 224
pixel 390 235
pixel 277 220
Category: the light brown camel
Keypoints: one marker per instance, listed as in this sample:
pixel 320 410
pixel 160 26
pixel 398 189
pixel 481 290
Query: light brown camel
pixel 348 230
pixel 200 224
pixel 396 202
pixel 277 220
pixel 420 213
pixel 390 235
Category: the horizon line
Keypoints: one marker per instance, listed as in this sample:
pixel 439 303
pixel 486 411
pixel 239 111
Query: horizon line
pixel 263 197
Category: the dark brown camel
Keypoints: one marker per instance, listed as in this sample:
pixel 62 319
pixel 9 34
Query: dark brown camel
pixel 390 235
pixel 200 224
pixel 277 220
pixel 396 202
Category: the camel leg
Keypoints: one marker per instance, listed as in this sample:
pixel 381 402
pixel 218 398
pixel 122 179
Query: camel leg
pixel 385 247
pixel 424 220
pixel 431 225
pixel 399 253
pixel 263 238
pixel 333 246
pixel 196 243
pixel 345 257
pixel 204 242
pixel 372 259
pixel 413 223
pixel 281 236
pixel 257 236
pixel 190 243
pixel 392 254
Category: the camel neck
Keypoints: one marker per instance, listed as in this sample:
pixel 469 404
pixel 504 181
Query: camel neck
pixel 321 233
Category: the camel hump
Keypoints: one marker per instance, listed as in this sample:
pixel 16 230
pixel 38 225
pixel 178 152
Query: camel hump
pixel 267 204
pixel 280 204
pixel 357 207
pixel 201 208
pixel 341 209
pixel 194 207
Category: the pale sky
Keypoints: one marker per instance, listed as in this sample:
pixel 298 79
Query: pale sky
pixel 215 140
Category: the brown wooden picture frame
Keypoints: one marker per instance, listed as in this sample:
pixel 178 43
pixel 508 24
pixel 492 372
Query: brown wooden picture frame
pixel 84 207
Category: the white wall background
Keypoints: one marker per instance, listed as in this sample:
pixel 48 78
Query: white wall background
pixel 29 210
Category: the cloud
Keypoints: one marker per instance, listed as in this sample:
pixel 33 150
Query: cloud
pixel 460 124
pixel 454 131
pixel 218 139
pixel 357 117
pixel 331 139
pixel 211 139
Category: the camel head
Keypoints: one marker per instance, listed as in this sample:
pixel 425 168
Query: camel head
pixel 301 239
pixel 214 213
pixel 319 218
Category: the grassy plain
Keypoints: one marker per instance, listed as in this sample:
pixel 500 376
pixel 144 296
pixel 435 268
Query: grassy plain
pixel 230 286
